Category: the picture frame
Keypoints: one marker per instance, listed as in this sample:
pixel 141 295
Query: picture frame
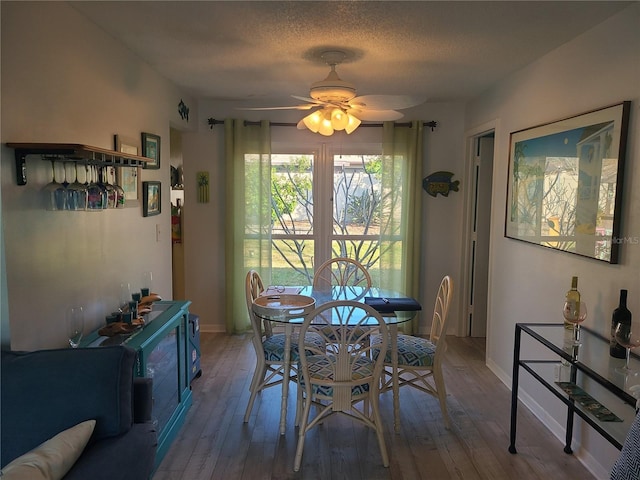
pixel 151 198
pixel 125 144
pixel 565 179
pixel 151 149
pixel 129 181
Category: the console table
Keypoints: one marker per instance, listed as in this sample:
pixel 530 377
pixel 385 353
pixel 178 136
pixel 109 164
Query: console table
pixel 164 355
pixel 587 368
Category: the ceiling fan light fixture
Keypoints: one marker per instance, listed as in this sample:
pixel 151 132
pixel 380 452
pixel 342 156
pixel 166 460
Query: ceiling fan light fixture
pixel 325 128
pixel 313 120
pixel 328 120
pixel 339 119
pixel 352 124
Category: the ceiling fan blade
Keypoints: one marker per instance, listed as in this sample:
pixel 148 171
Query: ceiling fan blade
pixel 386 102
pixel 310 100
pixel 293 107
pixel 375 115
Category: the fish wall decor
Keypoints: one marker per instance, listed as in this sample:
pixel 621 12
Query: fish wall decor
pixel 440 183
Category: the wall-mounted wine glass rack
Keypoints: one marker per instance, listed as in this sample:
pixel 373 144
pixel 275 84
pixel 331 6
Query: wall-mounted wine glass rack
pixel 70 152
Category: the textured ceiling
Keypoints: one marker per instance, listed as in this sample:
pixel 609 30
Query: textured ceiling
pixel 263 52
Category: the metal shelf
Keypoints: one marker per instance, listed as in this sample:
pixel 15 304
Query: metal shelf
pixel 70 152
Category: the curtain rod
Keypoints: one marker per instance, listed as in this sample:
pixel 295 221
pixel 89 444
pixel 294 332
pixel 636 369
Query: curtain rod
pixel 212 121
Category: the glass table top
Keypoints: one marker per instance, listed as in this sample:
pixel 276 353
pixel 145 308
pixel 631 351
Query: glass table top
pixel 592 354
pixel 324 295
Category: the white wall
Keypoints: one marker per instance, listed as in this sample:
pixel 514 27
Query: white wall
pixel 527 283
pixel 65 80
pixel 204 223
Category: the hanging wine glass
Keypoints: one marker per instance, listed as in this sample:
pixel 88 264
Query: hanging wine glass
pixel 104 180
pixel 76 191
pixel 55 191
pixel 575 313
pixel 119 190
pixel 629 338
pixel 96 195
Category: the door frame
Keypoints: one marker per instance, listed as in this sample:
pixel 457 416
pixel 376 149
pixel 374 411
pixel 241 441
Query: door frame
pixel 471 137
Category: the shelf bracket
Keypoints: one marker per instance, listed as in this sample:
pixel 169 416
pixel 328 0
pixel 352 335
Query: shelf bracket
pixel 21 166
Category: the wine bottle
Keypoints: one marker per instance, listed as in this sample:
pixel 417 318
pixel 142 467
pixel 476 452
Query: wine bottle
pixel 572 301
pixel 620 315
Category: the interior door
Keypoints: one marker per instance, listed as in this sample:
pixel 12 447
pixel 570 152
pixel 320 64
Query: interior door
pixel 480 237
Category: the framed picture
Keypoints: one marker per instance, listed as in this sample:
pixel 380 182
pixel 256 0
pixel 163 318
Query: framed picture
pixel 565 183
pixel 124 144
pixel 151 149
pixel 128 179
pixel 151 198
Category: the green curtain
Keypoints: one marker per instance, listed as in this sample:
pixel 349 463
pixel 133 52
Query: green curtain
pixel 402 150
pixel 248 214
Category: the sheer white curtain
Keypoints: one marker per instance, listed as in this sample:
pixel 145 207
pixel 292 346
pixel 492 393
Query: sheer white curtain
pixel 402 149
pixel 248 214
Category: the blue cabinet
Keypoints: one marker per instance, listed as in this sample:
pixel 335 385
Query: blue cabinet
pixel 164 354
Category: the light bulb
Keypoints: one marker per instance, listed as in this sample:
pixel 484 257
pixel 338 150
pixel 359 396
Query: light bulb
pixel 339 119
pixel 353 123
pixel 325 127
pixel 312 121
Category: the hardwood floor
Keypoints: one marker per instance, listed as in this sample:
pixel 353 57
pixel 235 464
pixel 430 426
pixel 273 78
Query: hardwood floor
pixel 216 444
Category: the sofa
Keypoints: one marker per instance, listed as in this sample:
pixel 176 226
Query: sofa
pixel 75 414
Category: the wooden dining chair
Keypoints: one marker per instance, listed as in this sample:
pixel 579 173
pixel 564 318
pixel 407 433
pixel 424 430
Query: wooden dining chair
pixel 269 347
pixel 420 359
pixel 341 377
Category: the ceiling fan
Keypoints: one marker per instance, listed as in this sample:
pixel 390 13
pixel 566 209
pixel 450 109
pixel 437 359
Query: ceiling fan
pixel 338 108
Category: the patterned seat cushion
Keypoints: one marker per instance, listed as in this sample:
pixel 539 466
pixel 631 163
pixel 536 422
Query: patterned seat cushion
pixel 274 346
pixel 412 352
pixel 320 367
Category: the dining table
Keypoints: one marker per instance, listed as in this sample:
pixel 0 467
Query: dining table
pixel 274 305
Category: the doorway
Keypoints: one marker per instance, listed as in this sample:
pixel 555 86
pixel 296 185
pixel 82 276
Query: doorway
pixel 177 223
pixel 479 227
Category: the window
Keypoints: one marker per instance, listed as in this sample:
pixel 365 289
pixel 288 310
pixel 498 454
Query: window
pixel 326 204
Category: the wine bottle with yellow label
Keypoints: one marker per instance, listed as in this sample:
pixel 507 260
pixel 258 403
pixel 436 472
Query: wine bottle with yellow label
pixel 572 301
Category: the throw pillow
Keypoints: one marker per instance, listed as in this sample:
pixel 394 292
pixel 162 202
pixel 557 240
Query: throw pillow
pixel 52 459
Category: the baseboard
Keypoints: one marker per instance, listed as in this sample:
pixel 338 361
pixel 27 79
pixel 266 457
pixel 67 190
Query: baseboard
pixel 208 328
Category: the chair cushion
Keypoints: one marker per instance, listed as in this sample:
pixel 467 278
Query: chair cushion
pixel 320 368
pixel 274 346
pixel 412 352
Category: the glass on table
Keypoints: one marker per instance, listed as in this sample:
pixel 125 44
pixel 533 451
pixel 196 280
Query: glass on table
pixel 125 295
pixel 629 337
pixel 575 313
pixel 75 325
pixel 146 284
